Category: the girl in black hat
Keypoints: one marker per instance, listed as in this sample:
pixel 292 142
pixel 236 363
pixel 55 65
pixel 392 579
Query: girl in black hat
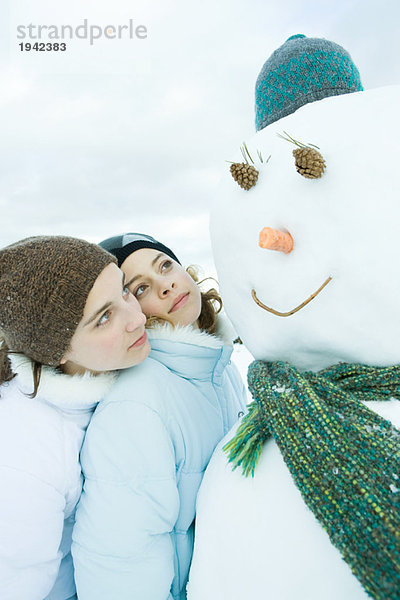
pixel 151 438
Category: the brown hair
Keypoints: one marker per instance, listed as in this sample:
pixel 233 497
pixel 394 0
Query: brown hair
pixel 211 305
pixel 36 372
pixel 6 373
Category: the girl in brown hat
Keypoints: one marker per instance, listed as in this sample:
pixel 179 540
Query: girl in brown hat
pixel 66 319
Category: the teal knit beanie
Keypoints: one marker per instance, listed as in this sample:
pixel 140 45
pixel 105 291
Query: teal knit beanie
pixel 302 70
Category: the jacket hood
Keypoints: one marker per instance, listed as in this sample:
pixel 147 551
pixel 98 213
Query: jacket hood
pixel 224 335
pixel 59 389
pixel 190 353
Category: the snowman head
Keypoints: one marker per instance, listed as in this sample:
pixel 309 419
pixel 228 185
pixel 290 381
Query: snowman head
pixel 308 265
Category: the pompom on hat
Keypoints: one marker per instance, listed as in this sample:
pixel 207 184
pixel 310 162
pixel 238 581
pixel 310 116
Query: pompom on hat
pixel 302 70
pixel 44 285
pixel 122 246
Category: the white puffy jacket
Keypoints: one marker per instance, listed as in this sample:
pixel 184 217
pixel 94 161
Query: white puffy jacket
pixel 40 478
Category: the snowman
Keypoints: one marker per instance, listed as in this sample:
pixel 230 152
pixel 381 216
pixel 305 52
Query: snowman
pixel 305 235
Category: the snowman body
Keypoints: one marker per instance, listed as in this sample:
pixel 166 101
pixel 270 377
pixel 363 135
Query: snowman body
pixel 255 537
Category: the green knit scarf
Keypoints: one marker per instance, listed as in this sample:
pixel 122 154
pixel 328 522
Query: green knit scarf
pixel 344 458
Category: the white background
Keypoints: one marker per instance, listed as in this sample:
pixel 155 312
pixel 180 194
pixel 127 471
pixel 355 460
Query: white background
pixel 132 135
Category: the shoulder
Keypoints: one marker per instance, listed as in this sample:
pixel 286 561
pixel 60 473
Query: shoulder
pixel 34 441
pixel 23 415
pixel 147 384
pixel 139 381
pixel 58 389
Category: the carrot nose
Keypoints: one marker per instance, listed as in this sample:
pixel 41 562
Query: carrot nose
pixel 273 239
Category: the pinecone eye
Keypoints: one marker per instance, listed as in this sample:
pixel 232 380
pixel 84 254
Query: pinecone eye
pixel 244 174
pixel 309 162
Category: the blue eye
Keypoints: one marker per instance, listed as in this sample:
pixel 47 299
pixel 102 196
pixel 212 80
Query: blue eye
pixel 140 290
pixel 104 319
pixel 125 290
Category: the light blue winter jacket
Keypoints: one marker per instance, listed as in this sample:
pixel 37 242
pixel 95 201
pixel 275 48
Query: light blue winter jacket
pixel 143 458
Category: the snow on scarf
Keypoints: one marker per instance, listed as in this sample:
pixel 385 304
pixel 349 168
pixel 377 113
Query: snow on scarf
pixel 344 458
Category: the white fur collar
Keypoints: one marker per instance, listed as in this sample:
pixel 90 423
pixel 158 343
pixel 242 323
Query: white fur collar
pixel 66 391
pixel 188 335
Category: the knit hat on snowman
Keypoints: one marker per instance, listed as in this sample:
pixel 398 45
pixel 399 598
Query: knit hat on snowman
pixel 300 71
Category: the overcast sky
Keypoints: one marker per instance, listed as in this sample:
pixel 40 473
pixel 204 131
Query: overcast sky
pixel 132 134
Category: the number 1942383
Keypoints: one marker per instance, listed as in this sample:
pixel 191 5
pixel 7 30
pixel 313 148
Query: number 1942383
pixel 42 47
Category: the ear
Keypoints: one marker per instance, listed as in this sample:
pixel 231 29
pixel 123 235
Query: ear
pixel 63 360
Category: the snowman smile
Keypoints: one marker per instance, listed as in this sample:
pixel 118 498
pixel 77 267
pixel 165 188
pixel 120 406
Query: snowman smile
pixel 294 310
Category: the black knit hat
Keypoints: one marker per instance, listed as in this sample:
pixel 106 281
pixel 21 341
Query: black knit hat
pixel 44 285
pixel 122 246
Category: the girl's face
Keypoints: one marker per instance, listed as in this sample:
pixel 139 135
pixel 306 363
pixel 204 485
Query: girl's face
pixel 111 334
pixel 162 287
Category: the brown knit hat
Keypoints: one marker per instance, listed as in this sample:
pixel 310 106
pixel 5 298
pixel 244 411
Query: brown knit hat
pixel 44 284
